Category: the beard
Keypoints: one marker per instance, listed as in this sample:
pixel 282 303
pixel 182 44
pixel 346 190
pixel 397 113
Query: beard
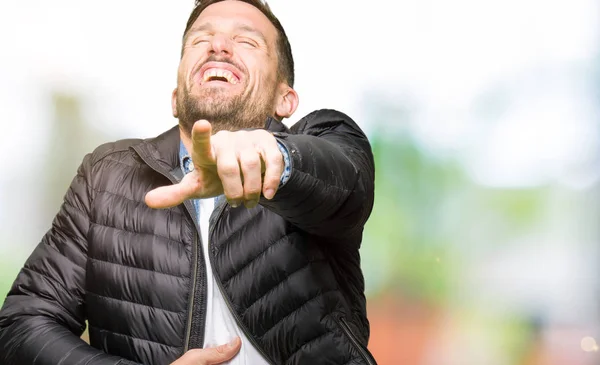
pixel 223 111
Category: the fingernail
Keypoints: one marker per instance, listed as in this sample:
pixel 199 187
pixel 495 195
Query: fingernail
pixel 232 343
pixel 269 193
pixel 234 204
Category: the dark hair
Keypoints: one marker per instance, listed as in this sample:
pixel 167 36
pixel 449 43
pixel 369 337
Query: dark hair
pixel 285 67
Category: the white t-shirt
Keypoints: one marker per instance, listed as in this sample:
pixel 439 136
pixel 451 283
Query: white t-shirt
pixel 221 326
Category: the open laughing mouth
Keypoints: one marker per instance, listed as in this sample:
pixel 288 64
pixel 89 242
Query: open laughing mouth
pixel 219 73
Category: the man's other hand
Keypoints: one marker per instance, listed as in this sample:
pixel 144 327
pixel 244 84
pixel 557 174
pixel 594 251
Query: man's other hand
pixel 211 355
pixel 240 164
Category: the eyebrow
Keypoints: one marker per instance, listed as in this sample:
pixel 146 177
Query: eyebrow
pixel 207 27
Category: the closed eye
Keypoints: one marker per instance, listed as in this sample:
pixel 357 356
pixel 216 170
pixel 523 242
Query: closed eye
pixel 247 42
pixel 199 40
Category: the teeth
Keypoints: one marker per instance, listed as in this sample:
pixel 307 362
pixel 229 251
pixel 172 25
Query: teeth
pixel 217 72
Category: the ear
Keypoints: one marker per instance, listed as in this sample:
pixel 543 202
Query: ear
pixel 174 103
pixel 287 101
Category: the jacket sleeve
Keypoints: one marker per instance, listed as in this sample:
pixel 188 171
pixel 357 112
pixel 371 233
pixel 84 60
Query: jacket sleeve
pixel 43 315
pixel 331 187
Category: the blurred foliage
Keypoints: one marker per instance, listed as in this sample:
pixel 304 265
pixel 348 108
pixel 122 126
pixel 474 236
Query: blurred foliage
pixel 428 214
pixel 405 240
pixel 8 271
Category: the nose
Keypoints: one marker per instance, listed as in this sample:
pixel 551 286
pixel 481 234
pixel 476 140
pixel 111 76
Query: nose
pixel 221 45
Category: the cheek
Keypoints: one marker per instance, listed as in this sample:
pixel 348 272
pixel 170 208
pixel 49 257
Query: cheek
pixel 180 76
pixel 264 74
pixel 270 70
pixel 257 63
pixel 182 72
pixel 189 62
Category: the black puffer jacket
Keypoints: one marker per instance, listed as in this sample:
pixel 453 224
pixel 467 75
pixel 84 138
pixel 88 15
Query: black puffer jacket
pixel 289 268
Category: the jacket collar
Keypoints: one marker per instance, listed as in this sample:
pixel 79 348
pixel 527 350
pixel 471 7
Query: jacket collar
pixel 273 125
pixel 161 152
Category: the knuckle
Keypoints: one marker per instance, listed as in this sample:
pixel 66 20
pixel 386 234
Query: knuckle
pixel 228 169
pixel 273 154
pixel 251 192
pixel 276 156
pixel 250 159
pixel 240 136
pixel 234 194
pixel 263 133
pixel 272 181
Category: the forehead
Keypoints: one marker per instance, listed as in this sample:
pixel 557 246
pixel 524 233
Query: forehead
pixel 233 14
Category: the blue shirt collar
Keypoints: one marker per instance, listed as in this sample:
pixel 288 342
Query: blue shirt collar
pixel 185 161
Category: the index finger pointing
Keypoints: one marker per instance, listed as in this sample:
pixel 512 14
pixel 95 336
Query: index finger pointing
pixel 202 149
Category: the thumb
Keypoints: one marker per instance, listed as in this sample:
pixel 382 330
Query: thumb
pixel 171 195
pixel 220 354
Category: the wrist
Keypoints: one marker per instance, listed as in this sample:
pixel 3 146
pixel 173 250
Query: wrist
pixel 287 166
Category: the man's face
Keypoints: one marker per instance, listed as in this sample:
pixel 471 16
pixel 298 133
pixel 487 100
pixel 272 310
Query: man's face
pixel 228 71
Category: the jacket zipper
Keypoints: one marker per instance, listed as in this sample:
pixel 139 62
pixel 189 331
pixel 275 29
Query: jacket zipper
pixel 364 354
pixel 220 285
pixel 188 330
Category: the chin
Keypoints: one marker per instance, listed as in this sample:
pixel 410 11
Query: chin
pixel 216 95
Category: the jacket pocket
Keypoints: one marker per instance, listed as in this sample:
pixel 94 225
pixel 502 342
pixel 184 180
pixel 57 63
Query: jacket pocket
pixel 362 350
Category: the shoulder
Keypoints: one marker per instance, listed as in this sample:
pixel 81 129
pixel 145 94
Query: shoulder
pixel 119 150
pixel 324 120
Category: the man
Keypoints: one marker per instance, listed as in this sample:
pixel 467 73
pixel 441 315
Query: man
pixel 252 242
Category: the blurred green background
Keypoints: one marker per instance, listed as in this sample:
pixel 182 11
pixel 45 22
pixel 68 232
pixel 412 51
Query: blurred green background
pixel 483 116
